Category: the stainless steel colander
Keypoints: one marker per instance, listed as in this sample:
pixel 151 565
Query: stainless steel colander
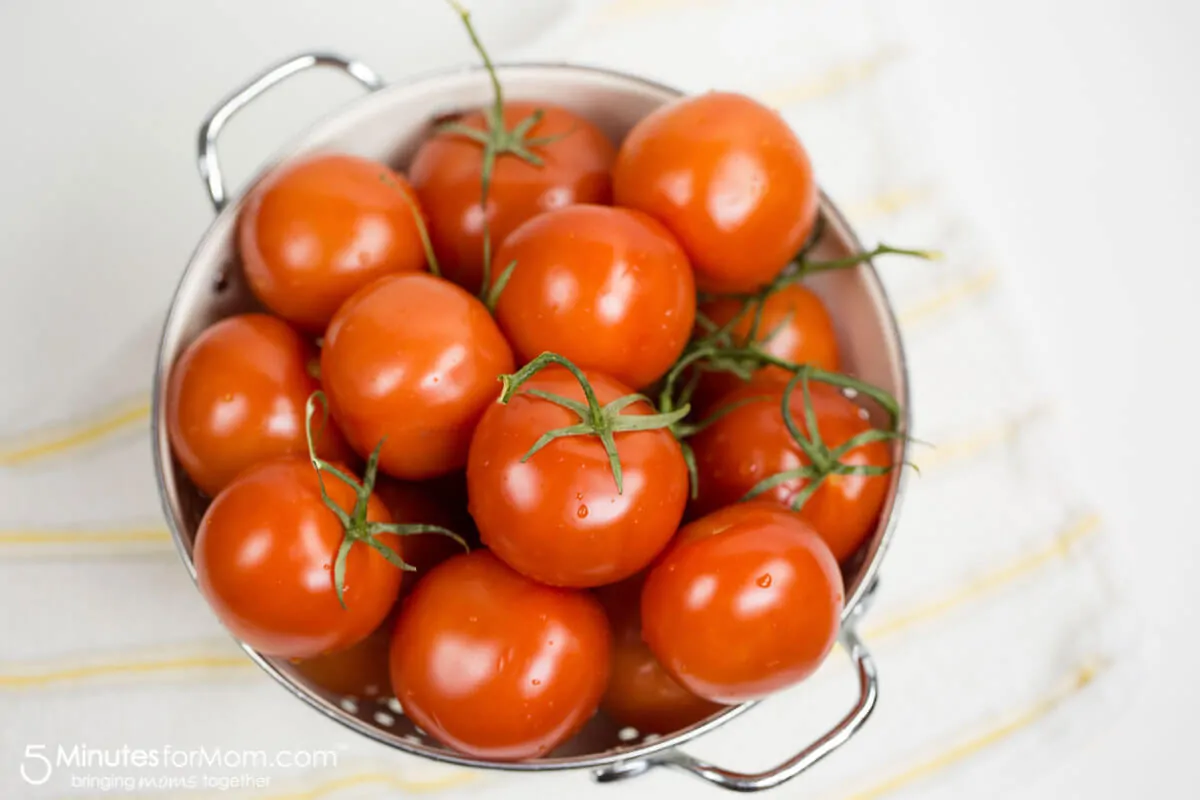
pixel 387 124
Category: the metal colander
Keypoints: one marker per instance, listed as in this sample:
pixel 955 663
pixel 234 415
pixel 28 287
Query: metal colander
pixel 388 124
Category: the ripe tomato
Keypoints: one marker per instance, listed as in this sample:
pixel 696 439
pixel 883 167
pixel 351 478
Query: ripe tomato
pixel 728 177
pixel 558 517
pixel 751 443
pixel 496 665
pixel 236 397
pixel 314 232
pixel 640 692
pixel 265 553
pixel 794 326
pixel 360 670
pixel 443 502
pixel 413 360
pixel 608 288
pixel 746 602
pixel 447 170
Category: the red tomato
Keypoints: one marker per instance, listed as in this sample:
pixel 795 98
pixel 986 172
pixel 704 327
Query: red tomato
pixel 360 670
pixel 640 692
pixel 795 326
pixel 236 397
pixel 439 502
pixel 558 517
pixel 314 232
pixel 608 288
pixel 413 360
pixel 729 178
pixel 264 556
pixel 746 602
pixel 751 443
pixel 447 170
pixel 496 665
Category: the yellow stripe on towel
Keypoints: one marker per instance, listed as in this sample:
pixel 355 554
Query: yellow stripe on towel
pixel 63 438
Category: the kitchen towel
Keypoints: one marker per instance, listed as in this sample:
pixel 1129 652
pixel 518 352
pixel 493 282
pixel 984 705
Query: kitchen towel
pixel 1001 629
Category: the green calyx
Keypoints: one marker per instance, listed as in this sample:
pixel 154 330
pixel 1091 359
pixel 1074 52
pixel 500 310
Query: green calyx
pixel 419 219
pixel 496 140
pixel 358 529
pixel 601 421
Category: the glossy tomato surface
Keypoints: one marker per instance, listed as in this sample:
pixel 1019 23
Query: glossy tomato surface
pixel 236 398
pixel 746 602
pixel 729 178
pixel 558 517
pixel 413 360
pixel 608 288
pixel 641 693
pixel 360 670
pixel 751 443
pixel 264 556
pixel 314 232
pixel 794 325
pixel 496 665
pixel 447 169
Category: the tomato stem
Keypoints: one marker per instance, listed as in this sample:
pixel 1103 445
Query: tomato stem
pixel 602 421
pixel 356 526
pixel 496 140
pixel 419 218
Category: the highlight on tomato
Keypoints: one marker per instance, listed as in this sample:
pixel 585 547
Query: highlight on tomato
pixel 746 602
pixel 236 397
pixel 317 230
pixel 572 478
pixel 297 565
pixel 608 288
pixel 496 665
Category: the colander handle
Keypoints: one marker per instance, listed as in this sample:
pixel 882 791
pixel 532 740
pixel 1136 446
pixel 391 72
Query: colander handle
pixel 868 687
pixel 210 129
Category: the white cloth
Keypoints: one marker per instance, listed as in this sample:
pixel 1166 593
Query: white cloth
pixel 1001 631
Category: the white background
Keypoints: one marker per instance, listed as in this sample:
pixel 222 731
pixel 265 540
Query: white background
pixel 1070 128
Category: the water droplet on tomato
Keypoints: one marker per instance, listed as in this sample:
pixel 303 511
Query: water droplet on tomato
pixel 764 581
pixel 582 512
pixel 536 682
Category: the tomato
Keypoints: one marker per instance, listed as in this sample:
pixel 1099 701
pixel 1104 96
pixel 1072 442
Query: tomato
pixel 751 443
pixel 447 171
pixel 746 602
pixel 608 288
pixel 236 397
pixel 413 360
pixel 314 232
pixel 496 665
pixel 559 517
pixel 439 502
pixel 794 326
pixel 360 670
pixel 640 692
pixel 728 177
pixel 265 553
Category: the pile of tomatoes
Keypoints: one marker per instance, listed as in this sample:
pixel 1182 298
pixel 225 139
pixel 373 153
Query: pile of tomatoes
pixel 540 426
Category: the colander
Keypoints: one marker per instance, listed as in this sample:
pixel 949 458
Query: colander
pixel 387 124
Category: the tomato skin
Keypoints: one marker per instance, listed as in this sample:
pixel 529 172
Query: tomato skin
pixel 236 397
pixel 795 326
pixel 264 556
pixel 447 169
pixel 415 359
pixel 608 288
pixel 314 232
pixel 751 443
pixel 360 670
pixel 641 693
pixel 729 178
pixel 496 665
pixel 558 518
pixel 438 502
pixel 746 602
